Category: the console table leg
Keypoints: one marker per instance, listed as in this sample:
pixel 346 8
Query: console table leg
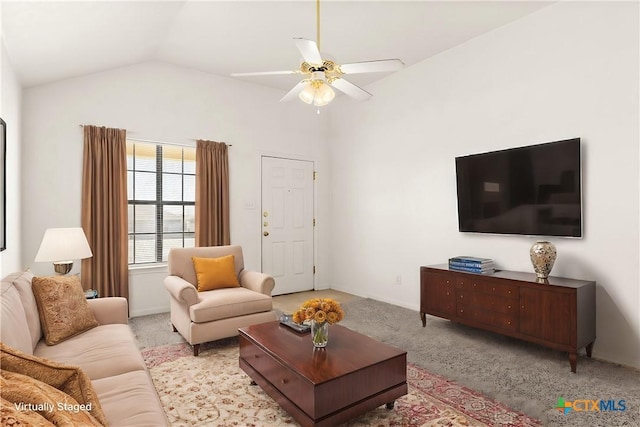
pixel 390 405
pixel 573 361
pixel 589 348
pixel 423 316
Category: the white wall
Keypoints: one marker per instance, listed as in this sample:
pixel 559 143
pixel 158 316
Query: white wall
pixel 157 101
pixel 10 111
pixel 568 70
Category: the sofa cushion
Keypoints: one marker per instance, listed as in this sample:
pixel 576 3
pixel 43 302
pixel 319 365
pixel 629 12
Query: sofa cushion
pixel 230 302
pixel 57 407
pixel 13 321
pixel 22 282
pixel 64 311
pixel 130 399
pixel 215 273
pixel 69 379
pixel 103 351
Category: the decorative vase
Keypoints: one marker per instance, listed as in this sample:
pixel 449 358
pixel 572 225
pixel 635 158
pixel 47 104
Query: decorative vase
pixel 543 255
pixel 319 333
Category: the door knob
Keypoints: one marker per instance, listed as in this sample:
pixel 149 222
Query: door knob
pixel 265 234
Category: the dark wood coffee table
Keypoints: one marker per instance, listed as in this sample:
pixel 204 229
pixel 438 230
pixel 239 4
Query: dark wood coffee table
pixel 323 387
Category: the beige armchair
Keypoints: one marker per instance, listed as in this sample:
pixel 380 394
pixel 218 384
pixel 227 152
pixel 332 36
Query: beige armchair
pixel 212 315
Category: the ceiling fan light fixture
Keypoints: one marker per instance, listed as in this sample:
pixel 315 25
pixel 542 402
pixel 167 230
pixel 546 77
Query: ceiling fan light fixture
pixel 324 95
pixel 308 93
pixel 317 92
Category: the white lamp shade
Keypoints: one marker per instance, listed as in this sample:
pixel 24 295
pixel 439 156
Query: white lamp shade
pixel 63 244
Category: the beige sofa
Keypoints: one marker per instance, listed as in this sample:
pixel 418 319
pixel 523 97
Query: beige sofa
pixel 215 314
pixel 108 353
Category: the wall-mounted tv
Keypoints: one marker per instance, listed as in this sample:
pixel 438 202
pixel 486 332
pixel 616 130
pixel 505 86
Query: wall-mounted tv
pixel 534 190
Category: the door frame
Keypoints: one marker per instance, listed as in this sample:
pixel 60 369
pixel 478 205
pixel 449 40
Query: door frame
pixel 303 158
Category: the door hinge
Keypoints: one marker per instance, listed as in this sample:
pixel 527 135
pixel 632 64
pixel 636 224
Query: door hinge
pixel 314 222
pixel 314 269
pixel 315 175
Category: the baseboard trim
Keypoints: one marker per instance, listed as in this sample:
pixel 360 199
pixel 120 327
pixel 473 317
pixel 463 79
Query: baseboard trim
pixel 147 311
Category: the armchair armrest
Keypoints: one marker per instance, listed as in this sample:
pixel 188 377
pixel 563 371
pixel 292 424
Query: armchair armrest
pixel 110 310
pixel 181 290
pixel 256 281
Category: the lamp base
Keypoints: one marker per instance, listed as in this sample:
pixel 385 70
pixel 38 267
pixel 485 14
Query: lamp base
pixel 63 267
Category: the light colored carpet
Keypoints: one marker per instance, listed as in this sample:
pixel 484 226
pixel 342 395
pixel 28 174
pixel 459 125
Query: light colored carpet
pixel 212 390
pixel 523 376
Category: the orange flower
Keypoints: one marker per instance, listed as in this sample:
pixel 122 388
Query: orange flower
pixel 332 317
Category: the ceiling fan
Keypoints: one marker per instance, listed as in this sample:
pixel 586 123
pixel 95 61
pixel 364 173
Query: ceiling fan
pixel 323 74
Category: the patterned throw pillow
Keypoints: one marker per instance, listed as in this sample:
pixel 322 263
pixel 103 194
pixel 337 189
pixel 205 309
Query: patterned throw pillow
pixel 70 379
pixel 30 395
pixel 11 416
pixel 63 307
pixel 215 273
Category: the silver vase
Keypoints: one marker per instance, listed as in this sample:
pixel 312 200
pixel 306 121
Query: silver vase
pixel 543 256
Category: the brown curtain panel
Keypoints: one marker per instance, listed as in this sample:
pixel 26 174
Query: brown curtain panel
pixel 212 194
pixel 104 211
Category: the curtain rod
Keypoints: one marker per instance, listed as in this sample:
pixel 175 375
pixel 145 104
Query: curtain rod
pixel 163 142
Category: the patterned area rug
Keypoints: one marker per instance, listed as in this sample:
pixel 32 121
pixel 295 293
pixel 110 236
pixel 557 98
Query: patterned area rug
pixel 211 390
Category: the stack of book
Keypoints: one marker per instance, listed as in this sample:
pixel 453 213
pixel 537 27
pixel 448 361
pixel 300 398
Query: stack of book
pixel 472 264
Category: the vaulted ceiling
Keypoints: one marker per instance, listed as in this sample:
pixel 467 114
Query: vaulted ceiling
pixel 49 40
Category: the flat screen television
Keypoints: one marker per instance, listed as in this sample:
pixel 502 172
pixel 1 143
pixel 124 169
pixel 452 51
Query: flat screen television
pixel 534 190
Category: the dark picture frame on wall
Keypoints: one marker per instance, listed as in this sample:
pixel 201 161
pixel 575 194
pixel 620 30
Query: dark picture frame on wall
pixel 3 185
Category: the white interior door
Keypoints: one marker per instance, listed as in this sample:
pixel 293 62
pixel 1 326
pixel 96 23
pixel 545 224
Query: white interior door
pixel 287 223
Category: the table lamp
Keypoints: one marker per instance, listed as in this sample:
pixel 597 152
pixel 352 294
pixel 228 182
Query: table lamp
pixel 63 245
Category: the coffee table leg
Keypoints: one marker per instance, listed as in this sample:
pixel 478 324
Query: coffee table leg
pixel 390 405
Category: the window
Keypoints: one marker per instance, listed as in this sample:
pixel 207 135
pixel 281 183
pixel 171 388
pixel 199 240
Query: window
pixel 161 181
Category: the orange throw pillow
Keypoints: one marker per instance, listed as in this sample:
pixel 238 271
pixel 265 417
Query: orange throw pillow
pixel 215 273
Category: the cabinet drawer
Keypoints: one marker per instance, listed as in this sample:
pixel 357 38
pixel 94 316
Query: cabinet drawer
pixel 289 383
pixel 437 294
pixel 474 314
pixel 488 302
pixel 480 284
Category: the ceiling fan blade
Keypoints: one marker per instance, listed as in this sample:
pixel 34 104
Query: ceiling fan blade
pixel 294 92
pixel 372 66
pixel 350 89
pixel 309 51
pixel 264 73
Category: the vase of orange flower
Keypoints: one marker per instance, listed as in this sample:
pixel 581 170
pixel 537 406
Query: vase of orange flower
pixel 319 313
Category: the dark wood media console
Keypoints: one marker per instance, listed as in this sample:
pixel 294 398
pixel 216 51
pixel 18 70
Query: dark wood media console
pixel 560 313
